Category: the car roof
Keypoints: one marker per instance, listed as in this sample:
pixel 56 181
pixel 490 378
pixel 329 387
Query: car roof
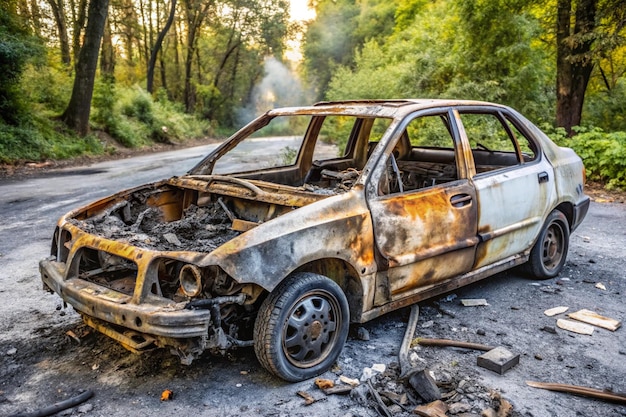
pixel 378 108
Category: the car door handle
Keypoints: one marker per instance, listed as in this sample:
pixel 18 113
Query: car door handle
pixel 543 177
pixel 460 200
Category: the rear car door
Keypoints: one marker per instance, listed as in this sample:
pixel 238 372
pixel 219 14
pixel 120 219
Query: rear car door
pixel 514 183
pixel 423 206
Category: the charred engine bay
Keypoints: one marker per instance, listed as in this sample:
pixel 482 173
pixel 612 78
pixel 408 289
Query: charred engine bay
pixel 138 222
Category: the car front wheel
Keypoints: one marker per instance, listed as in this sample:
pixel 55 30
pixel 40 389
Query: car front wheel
pixel 301 327
pixel 550 251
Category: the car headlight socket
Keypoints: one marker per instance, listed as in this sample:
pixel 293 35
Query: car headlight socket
pixel 190 278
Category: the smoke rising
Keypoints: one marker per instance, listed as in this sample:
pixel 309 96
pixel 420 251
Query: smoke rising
pixel 280 87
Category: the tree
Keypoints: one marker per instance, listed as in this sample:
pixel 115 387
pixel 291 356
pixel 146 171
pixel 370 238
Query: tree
pixel 157 46
pixel 76 115
pixel 58 10
pixel 574 60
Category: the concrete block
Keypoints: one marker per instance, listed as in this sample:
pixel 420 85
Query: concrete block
pixel 498 360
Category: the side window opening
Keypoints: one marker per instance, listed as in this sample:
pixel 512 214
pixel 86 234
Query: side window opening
pixel 495 142
pixel 423 157
pixel 342 148
pixel 527 147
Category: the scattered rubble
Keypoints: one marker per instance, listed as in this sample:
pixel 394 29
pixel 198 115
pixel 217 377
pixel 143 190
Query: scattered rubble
pixel 474 302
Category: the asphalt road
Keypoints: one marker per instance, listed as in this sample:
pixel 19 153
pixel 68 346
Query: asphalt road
pixel 38 364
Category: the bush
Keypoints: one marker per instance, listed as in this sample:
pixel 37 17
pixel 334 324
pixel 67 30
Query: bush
pixel 604 154
pixel 42 139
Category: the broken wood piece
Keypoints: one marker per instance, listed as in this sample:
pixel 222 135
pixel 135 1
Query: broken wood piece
pixel 574 326
pixel 337 390
pixel 434 409
pixel 453 343
pixel 556 310
pixel 72 335
pixel 308 398
pixel 474 302
pixel 498 360
pixel 579 390
pixel 350 381
pixel 591 317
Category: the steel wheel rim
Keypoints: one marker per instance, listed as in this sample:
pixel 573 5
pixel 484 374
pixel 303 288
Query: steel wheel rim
pixel 311 329
pixel 553 246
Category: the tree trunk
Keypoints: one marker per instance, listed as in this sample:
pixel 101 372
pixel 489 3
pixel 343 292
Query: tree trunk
pixel 157 46
pixel 58 10
pixel 76 115
pixel 107 56
pixel 574 61
pixel 78 25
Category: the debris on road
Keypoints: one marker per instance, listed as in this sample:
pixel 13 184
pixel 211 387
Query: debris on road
pixel 308 398
pixel 574 326
pixel 324 384
pixel 73 336
pixel 601 286
pixel 167 395
pixel 591 317
pixel 556 310
pixel 434 409
pixel 474 302
pixel 453 343
pixel 498 360
pixel 425 386
pixel 350 381
pixel 579 390
pixel 59 406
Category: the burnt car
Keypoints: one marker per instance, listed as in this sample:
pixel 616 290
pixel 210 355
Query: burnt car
pixel 312 218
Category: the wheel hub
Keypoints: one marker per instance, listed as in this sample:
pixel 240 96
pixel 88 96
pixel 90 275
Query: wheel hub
pixel 316 329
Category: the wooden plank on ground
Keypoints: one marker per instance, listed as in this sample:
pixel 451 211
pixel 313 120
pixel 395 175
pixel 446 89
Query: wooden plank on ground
pixel 574 326
pixel 556 310
pixel 591 317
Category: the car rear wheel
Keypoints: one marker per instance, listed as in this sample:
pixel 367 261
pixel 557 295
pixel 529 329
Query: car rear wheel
pixel 301 327
pixel 550 251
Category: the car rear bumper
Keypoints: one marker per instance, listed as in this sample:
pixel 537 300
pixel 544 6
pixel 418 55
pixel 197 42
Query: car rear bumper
pixel 580 211
pixel 157 316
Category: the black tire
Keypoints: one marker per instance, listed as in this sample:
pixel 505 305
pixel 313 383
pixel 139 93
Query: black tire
pixel 550 251
pixel 301 327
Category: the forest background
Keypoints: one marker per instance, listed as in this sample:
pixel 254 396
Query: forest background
pixel 79 75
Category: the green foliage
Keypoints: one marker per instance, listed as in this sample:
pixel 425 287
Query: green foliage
pixel 42 138
pixel 131 116
pixel 604 155
pixel 108 115
pixel 437 55
pixel 607 109
pixel 288 155
pixel 17 47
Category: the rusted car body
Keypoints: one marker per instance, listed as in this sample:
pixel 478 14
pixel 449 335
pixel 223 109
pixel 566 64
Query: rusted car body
pixel 419 197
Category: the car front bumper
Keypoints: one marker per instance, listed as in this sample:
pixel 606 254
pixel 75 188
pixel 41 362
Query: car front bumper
pixel 156 316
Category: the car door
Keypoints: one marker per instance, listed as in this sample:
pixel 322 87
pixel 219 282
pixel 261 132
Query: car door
pixel 514 183
pixel 423 206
